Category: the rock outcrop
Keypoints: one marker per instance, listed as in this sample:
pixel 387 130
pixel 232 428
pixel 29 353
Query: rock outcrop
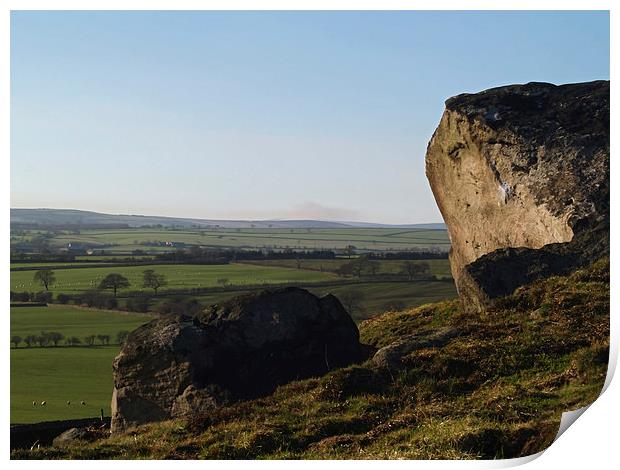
pixel 392 355
pixel 243 348
pixel 521 176
pixel 76 435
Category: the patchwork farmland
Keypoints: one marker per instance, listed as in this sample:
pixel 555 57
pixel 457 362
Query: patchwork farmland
pixel 117 241
pixel 200 267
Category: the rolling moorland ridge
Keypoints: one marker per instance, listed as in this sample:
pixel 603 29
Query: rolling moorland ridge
pixel 69 217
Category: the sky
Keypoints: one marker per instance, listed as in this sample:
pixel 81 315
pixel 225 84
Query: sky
pixel 263 115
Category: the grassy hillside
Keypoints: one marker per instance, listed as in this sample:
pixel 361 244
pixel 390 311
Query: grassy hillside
pixel 497 389
pixel 59 374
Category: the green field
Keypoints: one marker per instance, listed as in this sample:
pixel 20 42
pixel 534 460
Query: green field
pixel 54 265
pixel 364 239
pixel 83 261
pixel 179 276
pixel 438 267
pixel 58 374
pixel 61 374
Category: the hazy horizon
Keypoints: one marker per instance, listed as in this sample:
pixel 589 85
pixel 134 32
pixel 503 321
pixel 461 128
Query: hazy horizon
pixel 276 219
pixel 263 115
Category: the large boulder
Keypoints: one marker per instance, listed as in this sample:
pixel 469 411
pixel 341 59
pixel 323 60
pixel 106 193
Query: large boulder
pixel 243 348
pixel 521 176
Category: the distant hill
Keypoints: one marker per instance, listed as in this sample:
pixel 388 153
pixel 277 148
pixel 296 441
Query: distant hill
pixel 430 226
pixel 70 217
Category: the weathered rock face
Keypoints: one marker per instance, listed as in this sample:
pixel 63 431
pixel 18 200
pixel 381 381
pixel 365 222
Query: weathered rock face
pixel 243 348
pixel 521 176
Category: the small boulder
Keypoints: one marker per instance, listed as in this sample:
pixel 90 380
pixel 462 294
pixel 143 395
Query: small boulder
pixel 70 436
pixel 392 355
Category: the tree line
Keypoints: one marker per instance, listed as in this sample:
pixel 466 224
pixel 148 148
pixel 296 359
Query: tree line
pixel 95 297
pixel 199 255
pixel 365 265
pixel 113 281
pixel 54 338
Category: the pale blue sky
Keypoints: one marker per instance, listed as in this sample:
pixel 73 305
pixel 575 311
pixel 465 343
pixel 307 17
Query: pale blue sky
pixel 263 114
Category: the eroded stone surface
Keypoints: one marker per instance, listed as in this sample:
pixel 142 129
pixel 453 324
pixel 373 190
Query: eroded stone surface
pixel 525 167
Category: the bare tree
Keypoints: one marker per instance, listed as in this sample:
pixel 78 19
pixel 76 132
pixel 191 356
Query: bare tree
pixel 153 280
pixel 45 277
pixel 43 339
pixel 359 265
pixel 413 270
pixel 55 337
pixel 89 340
pixel 373 267
pixel 350 250
pixel 114 281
